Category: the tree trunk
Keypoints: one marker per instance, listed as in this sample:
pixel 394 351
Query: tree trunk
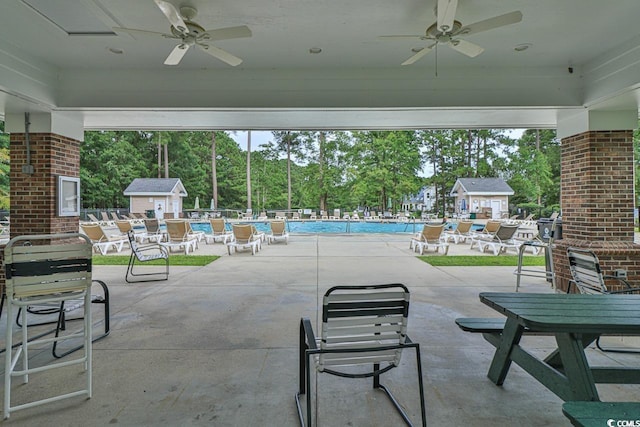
pixel 469 149
pixel 538 149
pixel 159 155
pixel 288 171
pixel 477 154
pixel 323 194
pixel 166 159
pixel 248 170
pixel 214 172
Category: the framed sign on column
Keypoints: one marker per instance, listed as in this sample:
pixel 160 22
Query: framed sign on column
pixel 68 196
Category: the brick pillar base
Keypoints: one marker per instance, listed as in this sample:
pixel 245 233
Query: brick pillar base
pixel 597 202
pixel 33 196
pixel 612 256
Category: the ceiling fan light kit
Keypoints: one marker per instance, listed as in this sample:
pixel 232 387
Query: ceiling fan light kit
pixel 189 33
pixel 449 31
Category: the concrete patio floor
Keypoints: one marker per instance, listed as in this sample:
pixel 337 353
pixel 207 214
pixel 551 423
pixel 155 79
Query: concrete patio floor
pixel 218 345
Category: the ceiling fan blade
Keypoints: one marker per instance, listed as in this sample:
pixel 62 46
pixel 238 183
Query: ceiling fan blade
pixel 408 36
pixel 467 48
pixel 418 55
pixel 228 33
pixel 172 15
pixel 144 32
pixel 491 23
pixel 222 55
pixel 176 54
pixel 446 14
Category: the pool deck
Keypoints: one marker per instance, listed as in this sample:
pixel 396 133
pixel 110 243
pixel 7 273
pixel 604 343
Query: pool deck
pixel 217 345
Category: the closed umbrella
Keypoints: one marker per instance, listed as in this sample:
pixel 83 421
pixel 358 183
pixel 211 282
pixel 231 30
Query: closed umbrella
pixel 196 205
pixel 212 206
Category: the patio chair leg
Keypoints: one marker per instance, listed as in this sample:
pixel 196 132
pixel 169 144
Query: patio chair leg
pixel 378 385
pixel 104 300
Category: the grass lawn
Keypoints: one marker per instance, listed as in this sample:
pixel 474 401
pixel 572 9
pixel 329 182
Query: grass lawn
pixel 190 260
pixel 481 261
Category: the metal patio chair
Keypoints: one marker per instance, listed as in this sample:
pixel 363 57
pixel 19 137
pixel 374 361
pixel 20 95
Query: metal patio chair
pixel 145 253
pixel 46 269
pixel 362 326
pixel 588 278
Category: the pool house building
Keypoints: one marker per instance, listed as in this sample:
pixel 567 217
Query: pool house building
pixel 482 197
pixel 163 196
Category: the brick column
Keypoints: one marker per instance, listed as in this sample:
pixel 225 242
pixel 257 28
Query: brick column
pixel 597 202
pixel 33 196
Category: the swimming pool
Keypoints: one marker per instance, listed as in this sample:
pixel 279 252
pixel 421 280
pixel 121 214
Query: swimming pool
pixel 337 227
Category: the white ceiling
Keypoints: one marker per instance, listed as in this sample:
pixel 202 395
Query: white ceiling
pixel 356 82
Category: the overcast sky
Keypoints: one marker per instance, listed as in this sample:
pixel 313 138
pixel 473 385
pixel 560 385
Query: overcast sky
pixel 259 137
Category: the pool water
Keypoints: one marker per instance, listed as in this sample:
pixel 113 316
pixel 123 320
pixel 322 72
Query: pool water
pixel 338 227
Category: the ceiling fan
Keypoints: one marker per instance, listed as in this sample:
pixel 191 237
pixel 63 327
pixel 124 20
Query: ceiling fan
pixel 189 34
pixel 446 30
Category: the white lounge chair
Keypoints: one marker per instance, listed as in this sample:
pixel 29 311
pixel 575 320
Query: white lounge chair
pixel 502 240
pixel 461 233
pixel 101 242
pixel 124 225
pixel 152 233
pixel 199 235
pixel 243 238
pixel 486 233
pixel 178 236
pixel 278 232
pixel 262 236
pixel 219 232
pixel 432 235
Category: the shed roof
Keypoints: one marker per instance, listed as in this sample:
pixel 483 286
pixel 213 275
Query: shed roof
pixel 482 186
pixel 155 186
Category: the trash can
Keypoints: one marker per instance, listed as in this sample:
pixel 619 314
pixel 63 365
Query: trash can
pixel 150 213
pixel 544 229
pixel 545 233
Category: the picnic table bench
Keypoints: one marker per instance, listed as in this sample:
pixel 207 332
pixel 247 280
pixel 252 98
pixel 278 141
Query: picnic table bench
pixel 600 414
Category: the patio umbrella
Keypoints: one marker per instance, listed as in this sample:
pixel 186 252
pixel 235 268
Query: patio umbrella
pixel 196 205
pixel 212 206
pixel 463 205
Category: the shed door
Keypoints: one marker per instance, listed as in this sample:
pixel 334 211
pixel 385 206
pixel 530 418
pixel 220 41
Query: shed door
pixel 176 209
pixel 495 209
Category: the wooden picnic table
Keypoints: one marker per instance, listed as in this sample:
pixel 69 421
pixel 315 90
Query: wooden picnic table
pixel 575 321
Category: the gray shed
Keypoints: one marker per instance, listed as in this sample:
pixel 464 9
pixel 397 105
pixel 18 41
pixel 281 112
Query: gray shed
pixel 482 197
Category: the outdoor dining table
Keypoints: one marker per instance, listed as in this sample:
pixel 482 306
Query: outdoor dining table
pixel 575 321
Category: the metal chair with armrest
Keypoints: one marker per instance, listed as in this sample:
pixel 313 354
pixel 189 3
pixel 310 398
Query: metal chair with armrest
pixel 588 278
pixel 364 333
